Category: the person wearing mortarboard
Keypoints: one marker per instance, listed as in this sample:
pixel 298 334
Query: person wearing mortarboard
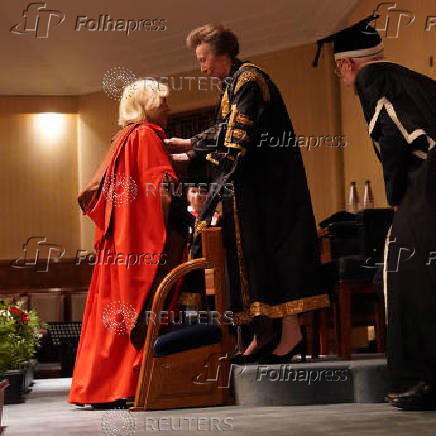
pixel 399 108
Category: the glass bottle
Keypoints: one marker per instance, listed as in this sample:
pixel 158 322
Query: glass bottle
pixel 368 197
pixel 353 199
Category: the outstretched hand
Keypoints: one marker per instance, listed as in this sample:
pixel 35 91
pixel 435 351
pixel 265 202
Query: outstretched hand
pixel 178 145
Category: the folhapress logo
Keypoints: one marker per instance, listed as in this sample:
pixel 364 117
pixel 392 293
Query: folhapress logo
pixel 392 19
pixel 38 19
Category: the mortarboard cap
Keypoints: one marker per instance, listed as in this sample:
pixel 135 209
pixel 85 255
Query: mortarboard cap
pixel 359 40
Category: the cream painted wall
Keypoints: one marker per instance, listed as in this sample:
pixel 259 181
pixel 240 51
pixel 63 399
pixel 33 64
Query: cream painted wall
pixel 312 98
pixel 412 48
pixel 38 174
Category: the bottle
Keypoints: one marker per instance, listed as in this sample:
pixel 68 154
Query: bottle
pixel 353 199
pixel 368 197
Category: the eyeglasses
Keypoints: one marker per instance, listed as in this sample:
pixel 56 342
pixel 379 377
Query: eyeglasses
pixel 338 68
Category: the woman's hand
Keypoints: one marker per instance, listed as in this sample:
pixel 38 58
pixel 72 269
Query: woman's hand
pixel 180 157
pixel 178 145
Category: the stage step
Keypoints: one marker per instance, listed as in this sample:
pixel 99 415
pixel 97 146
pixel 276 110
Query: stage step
pixel 360 380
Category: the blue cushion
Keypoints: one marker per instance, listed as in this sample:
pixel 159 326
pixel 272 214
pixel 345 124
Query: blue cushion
pixel 186 337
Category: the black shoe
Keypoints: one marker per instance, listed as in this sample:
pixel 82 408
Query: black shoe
pixel 422 396
pixel 242 359
pixel 118 404
pixel 300 348
pixel 271 358
pixel 391 397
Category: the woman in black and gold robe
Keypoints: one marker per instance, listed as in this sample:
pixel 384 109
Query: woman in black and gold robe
pixel 268 224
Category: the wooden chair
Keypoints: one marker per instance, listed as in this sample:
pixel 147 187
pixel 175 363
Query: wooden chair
pixel 192 378
pixel 342 317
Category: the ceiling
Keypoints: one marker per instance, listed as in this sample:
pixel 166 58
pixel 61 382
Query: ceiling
pixel 66 61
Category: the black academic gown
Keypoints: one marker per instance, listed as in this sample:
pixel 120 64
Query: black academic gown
pixel 399 107
pixel 268 224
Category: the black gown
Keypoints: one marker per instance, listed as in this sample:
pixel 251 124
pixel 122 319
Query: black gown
pixel 268 224
pixel 399 107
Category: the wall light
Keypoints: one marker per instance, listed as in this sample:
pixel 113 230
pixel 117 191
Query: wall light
pixel 50 124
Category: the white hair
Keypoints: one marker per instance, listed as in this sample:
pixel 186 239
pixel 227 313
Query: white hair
pixel 138 99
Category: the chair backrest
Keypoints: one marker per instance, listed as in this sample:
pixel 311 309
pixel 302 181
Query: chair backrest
pixel 169 381
pixel 364 236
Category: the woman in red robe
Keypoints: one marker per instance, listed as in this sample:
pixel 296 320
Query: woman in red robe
pixel 126 201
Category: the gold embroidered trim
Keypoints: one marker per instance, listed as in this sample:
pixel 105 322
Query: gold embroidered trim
pixel 230 131
pixel 240 134
pixel 193 299
pixel 253 76
pixel 279 311
pixel 239 147
pixel 230 125
pixel 199 227
pixel 245 293
pixel 249 64
pixel 225 104
pixel 211 159
pixel 243 119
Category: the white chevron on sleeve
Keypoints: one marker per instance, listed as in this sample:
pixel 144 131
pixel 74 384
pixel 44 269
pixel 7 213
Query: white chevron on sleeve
pixel 409 137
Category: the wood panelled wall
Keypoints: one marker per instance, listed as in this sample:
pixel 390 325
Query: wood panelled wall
pixel 38 174
pixel 98 119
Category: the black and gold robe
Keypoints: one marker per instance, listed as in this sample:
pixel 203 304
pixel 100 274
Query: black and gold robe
pixel 268 224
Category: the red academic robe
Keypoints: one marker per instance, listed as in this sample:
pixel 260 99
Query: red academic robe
pixel 129 220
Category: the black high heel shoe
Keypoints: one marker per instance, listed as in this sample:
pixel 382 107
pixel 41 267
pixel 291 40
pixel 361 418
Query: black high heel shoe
pixel 300 348
pixel 242 359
